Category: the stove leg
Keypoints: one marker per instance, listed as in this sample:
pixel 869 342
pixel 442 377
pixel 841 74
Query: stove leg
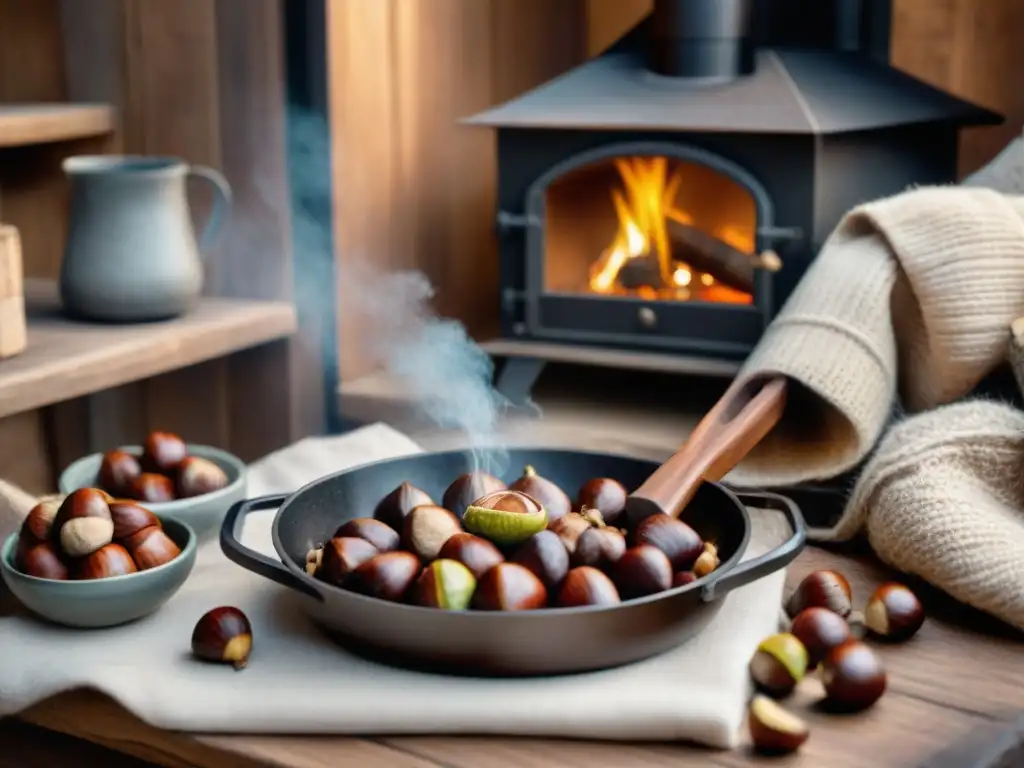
pixel 516 378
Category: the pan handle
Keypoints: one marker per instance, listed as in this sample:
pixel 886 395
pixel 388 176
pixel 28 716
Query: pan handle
pixel 752 570
pixel 231 545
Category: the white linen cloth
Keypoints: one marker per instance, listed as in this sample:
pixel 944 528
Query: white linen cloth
pixel 298 682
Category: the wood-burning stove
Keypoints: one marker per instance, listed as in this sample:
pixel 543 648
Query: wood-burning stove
pixel 666 197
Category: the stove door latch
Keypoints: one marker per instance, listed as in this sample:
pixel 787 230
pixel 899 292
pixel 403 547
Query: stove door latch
pixel 507 222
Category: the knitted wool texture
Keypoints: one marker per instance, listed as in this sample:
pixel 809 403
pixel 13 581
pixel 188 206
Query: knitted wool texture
pixel 909 305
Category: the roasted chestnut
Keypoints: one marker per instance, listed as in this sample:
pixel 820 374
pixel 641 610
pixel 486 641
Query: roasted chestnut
pixel 426 529
pixel 773 730
pixel 387 576
pixel 341 556
pixel 683 578
pixel 117 470
pixel 223 636
pixel 108 561
pixel 675 538
pixel 599 548
pixel 39 521
pixel 505 517
pixel 894 613
pixel 446 584
pixel 467 488
pixel 570 528
pixel 822 589
pixel 83 524
pixel 42 560
pixel 162 452
pixel 586 586
pixel 779 663
pixel 477 554
pixel 197 476
pixel 642 570
pixel 151 548
pixel 554 500
pixel 606 496
pixel 378 533
pixel 394 507
pixel 129 518
pixel 544 555
pixel 853 676
pixel 152 488
pixel 820 630
pixel 509 587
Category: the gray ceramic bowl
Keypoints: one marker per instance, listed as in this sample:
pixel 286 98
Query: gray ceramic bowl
pixel 102 602
pixel 202 513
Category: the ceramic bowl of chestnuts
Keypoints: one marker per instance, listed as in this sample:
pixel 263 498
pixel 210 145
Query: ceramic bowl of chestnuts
pixel 194 484
pixel 424 560
pixel 88 560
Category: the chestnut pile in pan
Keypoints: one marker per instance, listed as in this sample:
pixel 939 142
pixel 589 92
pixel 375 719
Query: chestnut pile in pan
pixel 527 546
pixel 164 472
pixel 89 535
pixel 826 635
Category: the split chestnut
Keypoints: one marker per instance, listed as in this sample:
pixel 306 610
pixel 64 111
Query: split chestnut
pixel 492 547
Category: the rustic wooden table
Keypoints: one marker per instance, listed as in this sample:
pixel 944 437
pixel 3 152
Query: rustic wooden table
pixel 959 684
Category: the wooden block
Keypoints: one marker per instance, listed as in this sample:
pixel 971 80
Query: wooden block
pixel 12 299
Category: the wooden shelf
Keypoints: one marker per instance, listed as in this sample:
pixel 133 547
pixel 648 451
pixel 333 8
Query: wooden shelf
pixel 66 359
pixel 23 125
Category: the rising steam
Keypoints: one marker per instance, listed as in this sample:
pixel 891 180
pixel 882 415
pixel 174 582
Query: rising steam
pixel 432 359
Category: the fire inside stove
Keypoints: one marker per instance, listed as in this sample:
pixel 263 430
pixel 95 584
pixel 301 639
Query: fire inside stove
pixel 652 228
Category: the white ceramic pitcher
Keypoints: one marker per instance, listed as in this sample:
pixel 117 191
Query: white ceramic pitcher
pixel 131 253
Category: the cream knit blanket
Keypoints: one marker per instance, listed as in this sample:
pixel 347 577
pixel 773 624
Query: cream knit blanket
pixel 908 306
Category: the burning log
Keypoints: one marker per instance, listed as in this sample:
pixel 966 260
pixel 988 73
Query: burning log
pixel 706 253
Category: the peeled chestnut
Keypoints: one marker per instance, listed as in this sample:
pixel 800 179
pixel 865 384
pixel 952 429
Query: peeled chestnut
pixel 196 476
pixel 39 521
pixel 223 636
pixel 505 517
pixel 467 488
pixel 705 563
pixel 426 529
pixel 477 554
pixel 570 528
pixel 822 589
pixel 387 576
pixel 642 570
pixel 773 730
pixel 605 495
pixel 509 587
pixel 544 555
pixel 820 630
pixel 313 560
pixel 779 663
pixel 675 538
pixel 554 500
pixel 341 556
pixel 853 676
pixel 162 452
pixel 894 613
pixel 381 535
pixel 584 586
pixel 117 470
pixel 446 584
pixel 151 548
pixel 130 518
pixel 599 548
pixel 111 560
pixel 393 508
pixel 151 487
pixel 42 560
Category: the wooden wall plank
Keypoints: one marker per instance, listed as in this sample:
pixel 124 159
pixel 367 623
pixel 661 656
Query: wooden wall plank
pixel 413 187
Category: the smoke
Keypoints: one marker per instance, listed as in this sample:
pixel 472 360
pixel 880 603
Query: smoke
pixel 432 359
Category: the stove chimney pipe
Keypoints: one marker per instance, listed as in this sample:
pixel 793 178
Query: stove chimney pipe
pixel 701 39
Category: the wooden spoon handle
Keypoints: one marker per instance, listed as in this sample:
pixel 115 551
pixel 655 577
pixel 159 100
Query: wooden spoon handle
pixel 738 422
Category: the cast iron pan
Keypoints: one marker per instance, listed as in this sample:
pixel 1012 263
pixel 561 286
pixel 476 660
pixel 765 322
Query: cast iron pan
pixel 549 641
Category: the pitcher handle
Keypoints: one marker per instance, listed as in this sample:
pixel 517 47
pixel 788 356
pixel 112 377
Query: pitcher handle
pixel 221 203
